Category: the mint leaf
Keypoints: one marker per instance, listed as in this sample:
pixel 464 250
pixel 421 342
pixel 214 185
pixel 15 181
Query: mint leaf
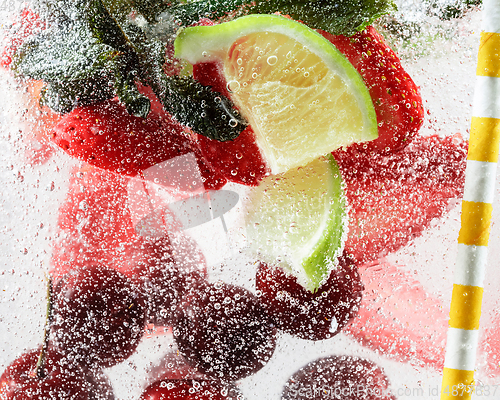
pixel 90 55
pixel 338 17
pixel 71 65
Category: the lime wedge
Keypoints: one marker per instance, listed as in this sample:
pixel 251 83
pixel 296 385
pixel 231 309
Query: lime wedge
pixel 301 96
pixel 299 218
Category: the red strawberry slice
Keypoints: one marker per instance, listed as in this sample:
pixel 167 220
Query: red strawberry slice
pixel 394 197
pixel 395 96
pixel 399 318
pixel 96 228
pixel 396 99
pixel 106 136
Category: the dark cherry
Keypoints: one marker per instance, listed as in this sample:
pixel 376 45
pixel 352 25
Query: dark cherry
pixel 224 331
pixel 189 389
pixel 173 374
pixel 56 379
pixel 338 377
pixel 164 272
pixel 312 316
pixel 99 316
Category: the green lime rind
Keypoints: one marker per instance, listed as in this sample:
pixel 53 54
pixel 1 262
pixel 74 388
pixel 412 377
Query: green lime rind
pixel 298 220
pixel 210 43
pixel 322 259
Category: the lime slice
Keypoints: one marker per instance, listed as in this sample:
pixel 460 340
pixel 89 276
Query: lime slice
pixel 301 96
pixel 299 218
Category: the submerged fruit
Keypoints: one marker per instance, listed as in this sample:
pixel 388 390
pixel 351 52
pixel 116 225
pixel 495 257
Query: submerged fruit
pixel 312 316
pixel 338 377
pixel 302 97
pixel 99 316
pixel 395 96
pixel 224 331
pixel 298 218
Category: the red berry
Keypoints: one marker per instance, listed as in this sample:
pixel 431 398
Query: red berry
pixel 99 316
pixel 393 198
pixel 96 228
pixel 312 316
pixel 238 160
pixel 191 389
pixel 106 136
pixel 395 96
pixel 224 331
pixel 57 379
pixel 164 273
pixel 338 377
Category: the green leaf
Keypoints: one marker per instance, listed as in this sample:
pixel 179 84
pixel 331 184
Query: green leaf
pixel 335 16
pixel 201 109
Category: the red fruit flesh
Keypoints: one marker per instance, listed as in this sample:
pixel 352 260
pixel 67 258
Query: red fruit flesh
pixel 395 96
pixel 238 160
pixel 393 198
pixel 99 316
pixel 224 331
pixel 106 136
pixel 338 377
pixel 56 380
pixel 398 318
pixel 312 316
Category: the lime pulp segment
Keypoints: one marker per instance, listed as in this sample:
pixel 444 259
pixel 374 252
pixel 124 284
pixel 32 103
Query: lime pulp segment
pixel 301 96
pixel 299 219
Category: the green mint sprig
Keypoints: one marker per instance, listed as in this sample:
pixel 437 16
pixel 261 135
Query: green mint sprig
pixel 338 17
pixel 89 55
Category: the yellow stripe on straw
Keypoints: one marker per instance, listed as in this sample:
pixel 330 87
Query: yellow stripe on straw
pixel 488 60
pixel 457 384
pixel 465 308
pixel 476 222
pixel 484 139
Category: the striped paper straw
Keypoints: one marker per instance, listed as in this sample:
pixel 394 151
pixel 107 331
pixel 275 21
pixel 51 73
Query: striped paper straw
pixel 458 373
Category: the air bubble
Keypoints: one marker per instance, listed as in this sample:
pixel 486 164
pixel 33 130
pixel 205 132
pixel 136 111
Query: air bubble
pixel 271 60
pixel 239 61
pixel 233 123
pixel 254 75
pixel 233 86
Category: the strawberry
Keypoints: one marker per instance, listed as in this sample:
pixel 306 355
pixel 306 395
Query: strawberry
pixel 396 99
pixel 394 197
pixel 95 227
pixel 398 318
pixel 239 160
pixel 395 96
pixel 106 136
pixel 25 24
